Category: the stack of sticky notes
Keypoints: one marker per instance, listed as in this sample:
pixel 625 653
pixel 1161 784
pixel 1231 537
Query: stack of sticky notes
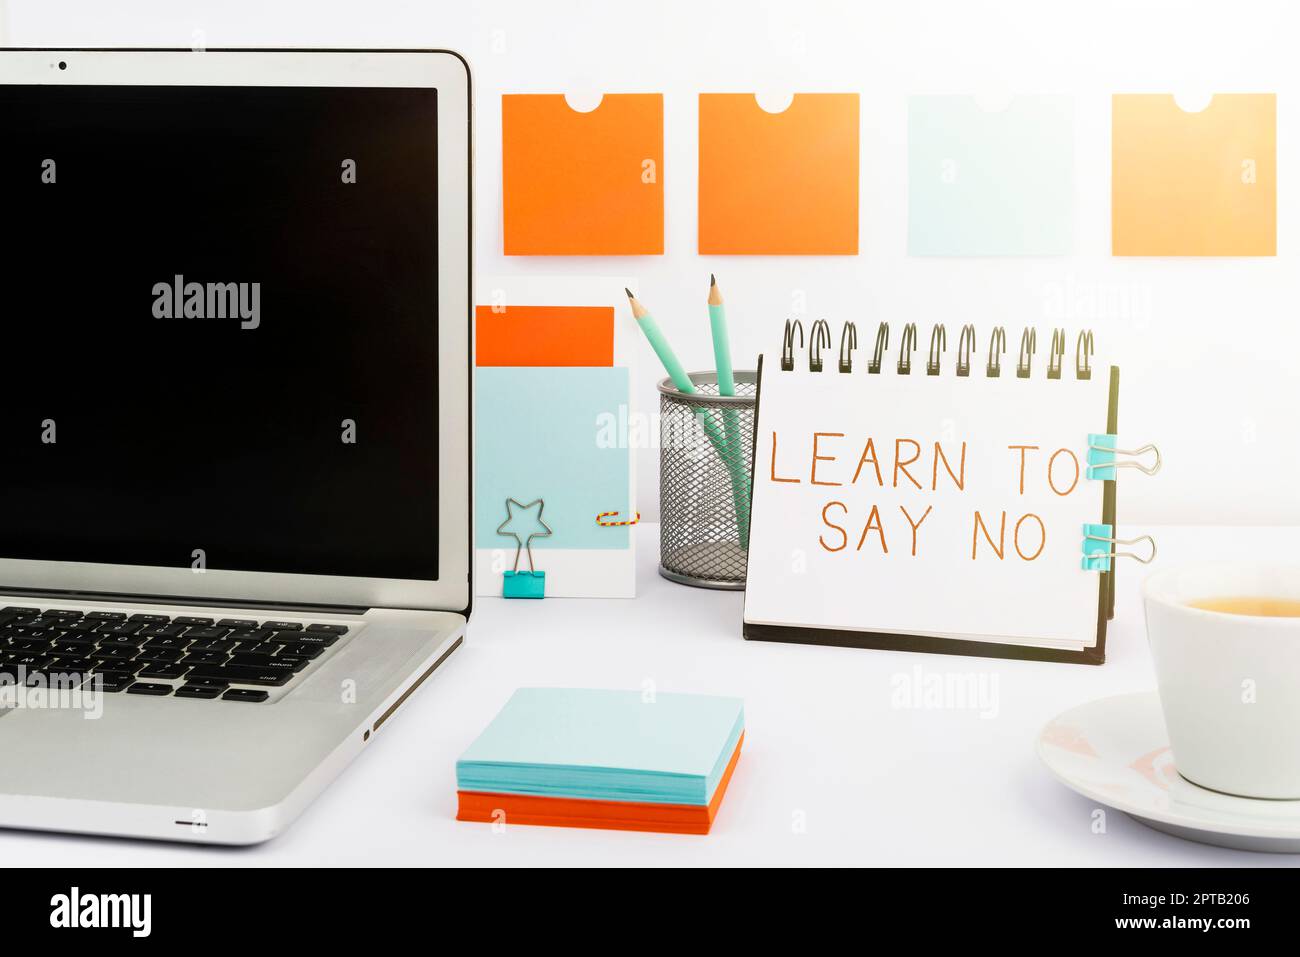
pixel 626 760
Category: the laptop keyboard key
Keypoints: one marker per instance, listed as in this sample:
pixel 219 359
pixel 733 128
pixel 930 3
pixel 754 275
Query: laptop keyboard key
pixel 244 674
pixel 21 645
pixel 111 680
pixel 331 629
pixel 149 653
pixel 321 639
pixel 114 654
pixel 212 644
pixel 204 658
pixel 267 648
pixel 302 651
pixel 192 621
pixel 130 643
pixel 244 694
pixel 168 641
pixel 160 631
pixel 151 619
pixel 106 615
pixel 119 628
pixel 264 661
pixel 145 687
pixel 207 682
pixel 206 634
pixel 282 625
pixel 198 691
pixel 72 664
pixel 162 669
pixel 29 661
pixel 247 624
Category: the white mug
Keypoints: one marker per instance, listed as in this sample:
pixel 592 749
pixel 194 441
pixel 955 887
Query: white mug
pixel 1229 684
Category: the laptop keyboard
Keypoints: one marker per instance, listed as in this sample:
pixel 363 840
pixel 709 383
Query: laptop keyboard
pixel 235 659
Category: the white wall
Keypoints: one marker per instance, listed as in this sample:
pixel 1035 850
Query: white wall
pixel 1211 349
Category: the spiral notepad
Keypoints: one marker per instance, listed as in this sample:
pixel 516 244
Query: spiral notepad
pixel 953 501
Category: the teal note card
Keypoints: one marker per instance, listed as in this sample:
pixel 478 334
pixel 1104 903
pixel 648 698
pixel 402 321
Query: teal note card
pixel 543 432
pixel 990 182
pixel 605 746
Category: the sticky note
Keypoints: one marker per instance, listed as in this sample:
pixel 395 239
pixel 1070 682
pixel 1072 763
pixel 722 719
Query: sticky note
pixel 538 434
pixel 990 182
pixel 544 336
pixel 1194 184
pixel 582 184
pixel 597 744
pixel 778 183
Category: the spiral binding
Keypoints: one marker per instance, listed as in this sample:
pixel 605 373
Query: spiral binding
pixel 848 342
pixel 819 337
pixel 820 340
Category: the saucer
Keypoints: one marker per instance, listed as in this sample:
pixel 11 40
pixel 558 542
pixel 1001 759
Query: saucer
pixel 1116 751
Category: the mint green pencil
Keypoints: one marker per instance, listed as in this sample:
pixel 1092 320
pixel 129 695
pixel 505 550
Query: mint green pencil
pixel 721 344
pixel 727 386
pixel 672 365
pixel 660 345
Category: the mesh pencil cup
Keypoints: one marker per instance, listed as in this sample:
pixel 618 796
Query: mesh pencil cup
pixel 706 465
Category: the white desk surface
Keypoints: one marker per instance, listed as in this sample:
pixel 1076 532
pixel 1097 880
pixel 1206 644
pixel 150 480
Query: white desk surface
pixel 873 785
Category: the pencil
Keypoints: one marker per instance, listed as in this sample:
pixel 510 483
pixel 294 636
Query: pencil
pixel 660 345
pixel 721 343
pixel 732 452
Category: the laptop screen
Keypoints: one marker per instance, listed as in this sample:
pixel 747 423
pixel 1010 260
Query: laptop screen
pixel 220 328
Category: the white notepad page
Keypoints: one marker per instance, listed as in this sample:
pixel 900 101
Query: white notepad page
pixel 806 568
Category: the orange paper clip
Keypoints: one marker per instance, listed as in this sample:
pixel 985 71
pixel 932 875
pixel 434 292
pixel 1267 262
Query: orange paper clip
pixel 600 520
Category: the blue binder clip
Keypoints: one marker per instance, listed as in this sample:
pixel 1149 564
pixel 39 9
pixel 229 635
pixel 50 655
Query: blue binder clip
pixel 532 583
pixel 1099 543
pixel 1103 457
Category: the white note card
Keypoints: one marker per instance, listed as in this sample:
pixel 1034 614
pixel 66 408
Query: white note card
pixel 928 505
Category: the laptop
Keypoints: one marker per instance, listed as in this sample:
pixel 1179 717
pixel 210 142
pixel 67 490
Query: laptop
pixel 235 415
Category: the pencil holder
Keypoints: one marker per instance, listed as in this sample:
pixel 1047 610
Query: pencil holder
pixel 706 464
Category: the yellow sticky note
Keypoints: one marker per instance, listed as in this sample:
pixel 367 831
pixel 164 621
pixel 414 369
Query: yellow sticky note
pixel 1194 184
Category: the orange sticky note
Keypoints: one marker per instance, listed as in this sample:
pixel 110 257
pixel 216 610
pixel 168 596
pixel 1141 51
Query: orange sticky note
pixel 544 336
pixel 583 184
pixel 779 183
pixel 1194 184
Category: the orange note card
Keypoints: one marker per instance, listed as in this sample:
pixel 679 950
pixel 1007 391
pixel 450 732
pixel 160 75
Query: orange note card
pixel 544 336
pixel 1194 184
pixel 779 183
pixel 583 184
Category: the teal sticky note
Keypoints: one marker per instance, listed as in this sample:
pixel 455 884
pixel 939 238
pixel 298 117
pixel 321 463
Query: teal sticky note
pixel 990 183
pixel 1097 546
pixel 551 433
pixel 605 745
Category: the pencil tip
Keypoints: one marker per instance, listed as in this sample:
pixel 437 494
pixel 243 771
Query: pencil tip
pixel 629 293
pixel 713 280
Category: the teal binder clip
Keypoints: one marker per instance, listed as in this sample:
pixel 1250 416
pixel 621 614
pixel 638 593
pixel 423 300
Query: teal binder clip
pixel 1103 457
pixel 532 583
pixel 1099 547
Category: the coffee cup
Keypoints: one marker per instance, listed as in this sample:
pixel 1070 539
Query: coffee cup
pixel 1225 639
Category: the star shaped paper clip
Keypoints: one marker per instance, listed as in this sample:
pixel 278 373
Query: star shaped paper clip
pixel 532 583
